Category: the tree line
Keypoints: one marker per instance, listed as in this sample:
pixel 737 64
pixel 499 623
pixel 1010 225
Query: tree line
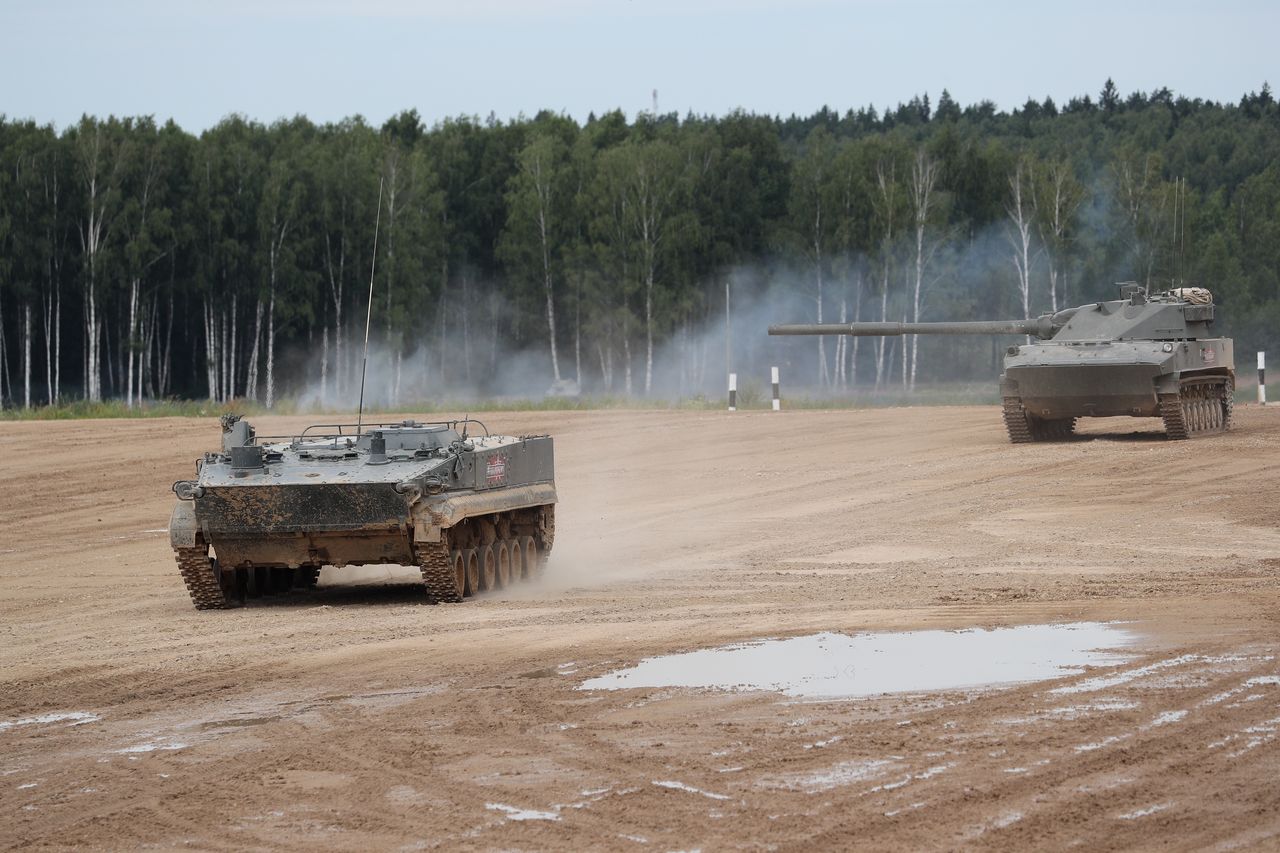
pixel 138 260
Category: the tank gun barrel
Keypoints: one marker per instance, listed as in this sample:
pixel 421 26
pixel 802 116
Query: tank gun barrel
pixel 1042 327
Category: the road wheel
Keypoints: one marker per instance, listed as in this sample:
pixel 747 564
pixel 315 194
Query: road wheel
pixel 532 559
pixel 503 558
pixel 517 560
pixel 472 560
pixel 459 563
pixel 488 568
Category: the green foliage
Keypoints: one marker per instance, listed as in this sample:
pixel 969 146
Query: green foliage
pixel 609 243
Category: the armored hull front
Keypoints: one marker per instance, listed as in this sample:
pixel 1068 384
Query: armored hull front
pixel 264 515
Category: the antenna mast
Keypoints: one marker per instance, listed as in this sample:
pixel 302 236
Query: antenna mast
pixel 373 265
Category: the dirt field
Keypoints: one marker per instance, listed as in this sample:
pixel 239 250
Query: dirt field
pixel 360 717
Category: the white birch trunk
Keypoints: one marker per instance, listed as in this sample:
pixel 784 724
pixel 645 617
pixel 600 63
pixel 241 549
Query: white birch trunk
pixel 144 352
pixel 92 237
pixel 324 365
pixel 26 355
pixel 882 342
pixel 857 318
pixel 577 336
pixel 251 379
pixel 841 375
pixel 649 243
pixel 225 392
pixel 57 347
pixel 626 354
pixel 129 341
pixel 207 318
pixel 4 359
pixel 271 349
pixel 233 355
pixel 823 373
pixel 277 244
pixel 605 376
pixel 924 175
pixel 542 191
pixel 904 356
pixel 92 373
pixel 1020 234
pixel 337 278
pixel 395 391
pixel 47 321
pixel 147 370
pixel 1064 199
pixel 443 333
pixel 166 361
pixel 887 186
pixel 466 327
pixel 648 333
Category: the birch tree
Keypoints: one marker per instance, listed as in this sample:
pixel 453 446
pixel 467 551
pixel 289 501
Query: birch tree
pixel 51 165
pixel 348 191
pixel 143 222
pixel 1057 200
pixel 1144 200
pixel 888 201
pixel 924 178
pixel 815 207
pixel 536 203
pixel 24 218
pixel 281 199
pixel 7 198
pixel 654 182
pixel 410 248
pixel 1021 219
pixel 102 149
pixel 640 181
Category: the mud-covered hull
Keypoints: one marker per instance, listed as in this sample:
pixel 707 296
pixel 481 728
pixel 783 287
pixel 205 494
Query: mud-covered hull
pixel 275 513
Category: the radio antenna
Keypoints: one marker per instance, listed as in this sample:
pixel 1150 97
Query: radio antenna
pixel 373 265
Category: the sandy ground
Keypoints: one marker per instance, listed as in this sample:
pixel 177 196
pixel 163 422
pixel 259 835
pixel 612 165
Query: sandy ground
pixel 359 716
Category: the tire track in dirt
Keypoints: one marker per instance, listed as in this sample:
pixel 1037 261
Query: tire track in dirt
pixel 299 724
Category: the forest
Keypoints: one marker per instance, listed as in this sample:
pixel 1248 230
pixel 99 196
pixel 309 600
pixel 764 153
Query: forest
pixel 640 257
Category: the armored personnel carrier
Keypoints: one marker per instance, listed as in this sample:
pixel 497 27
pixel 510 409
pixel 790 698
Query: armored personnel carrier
pixel 1140 355
pixel 264 514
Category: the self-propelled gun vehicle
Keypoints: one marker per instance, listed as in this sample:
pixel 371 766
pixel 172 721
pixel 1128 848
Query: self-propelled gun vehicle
pixel 1141 355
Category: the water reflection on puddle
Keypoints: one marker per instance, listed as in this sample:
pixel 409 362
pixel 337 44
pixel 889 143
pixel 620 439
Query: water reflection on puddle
pixel 831 665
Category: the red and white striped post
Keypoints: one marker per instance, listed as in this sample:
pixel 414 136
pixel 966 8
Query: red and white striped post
pixel 1262 379
pixel 777 397
pixel 733 392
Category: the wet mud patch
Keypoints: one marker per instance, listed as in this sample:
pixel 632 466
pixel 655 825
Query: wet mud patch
pixel 836 666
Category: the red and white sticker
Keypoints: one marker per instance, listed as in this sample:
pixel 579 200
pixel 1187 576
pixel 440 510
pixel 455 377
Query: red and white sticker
pixel 496 471
pixel 1208 354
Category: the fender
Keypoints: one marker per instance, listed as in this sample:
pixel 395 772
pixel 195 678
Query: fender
pixel 432 515
pixel 182 525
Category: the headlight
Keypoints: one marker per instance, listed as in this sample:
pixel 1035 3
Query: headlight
pixel 1167 347
pixel 188 490
pixel 410 490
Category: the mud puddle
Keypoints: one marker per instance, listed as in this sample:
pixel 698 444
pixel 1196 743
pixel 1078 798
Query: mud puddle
pixel 836 666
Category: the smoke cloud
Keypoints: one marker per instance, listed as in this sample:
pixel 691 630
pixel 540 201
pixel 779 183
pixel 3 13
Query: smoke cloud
pixel 969 278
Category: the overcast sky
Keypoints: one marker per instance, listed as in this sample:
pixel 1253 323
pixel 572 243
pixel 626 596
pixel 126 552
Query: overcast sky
pixel 198 61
